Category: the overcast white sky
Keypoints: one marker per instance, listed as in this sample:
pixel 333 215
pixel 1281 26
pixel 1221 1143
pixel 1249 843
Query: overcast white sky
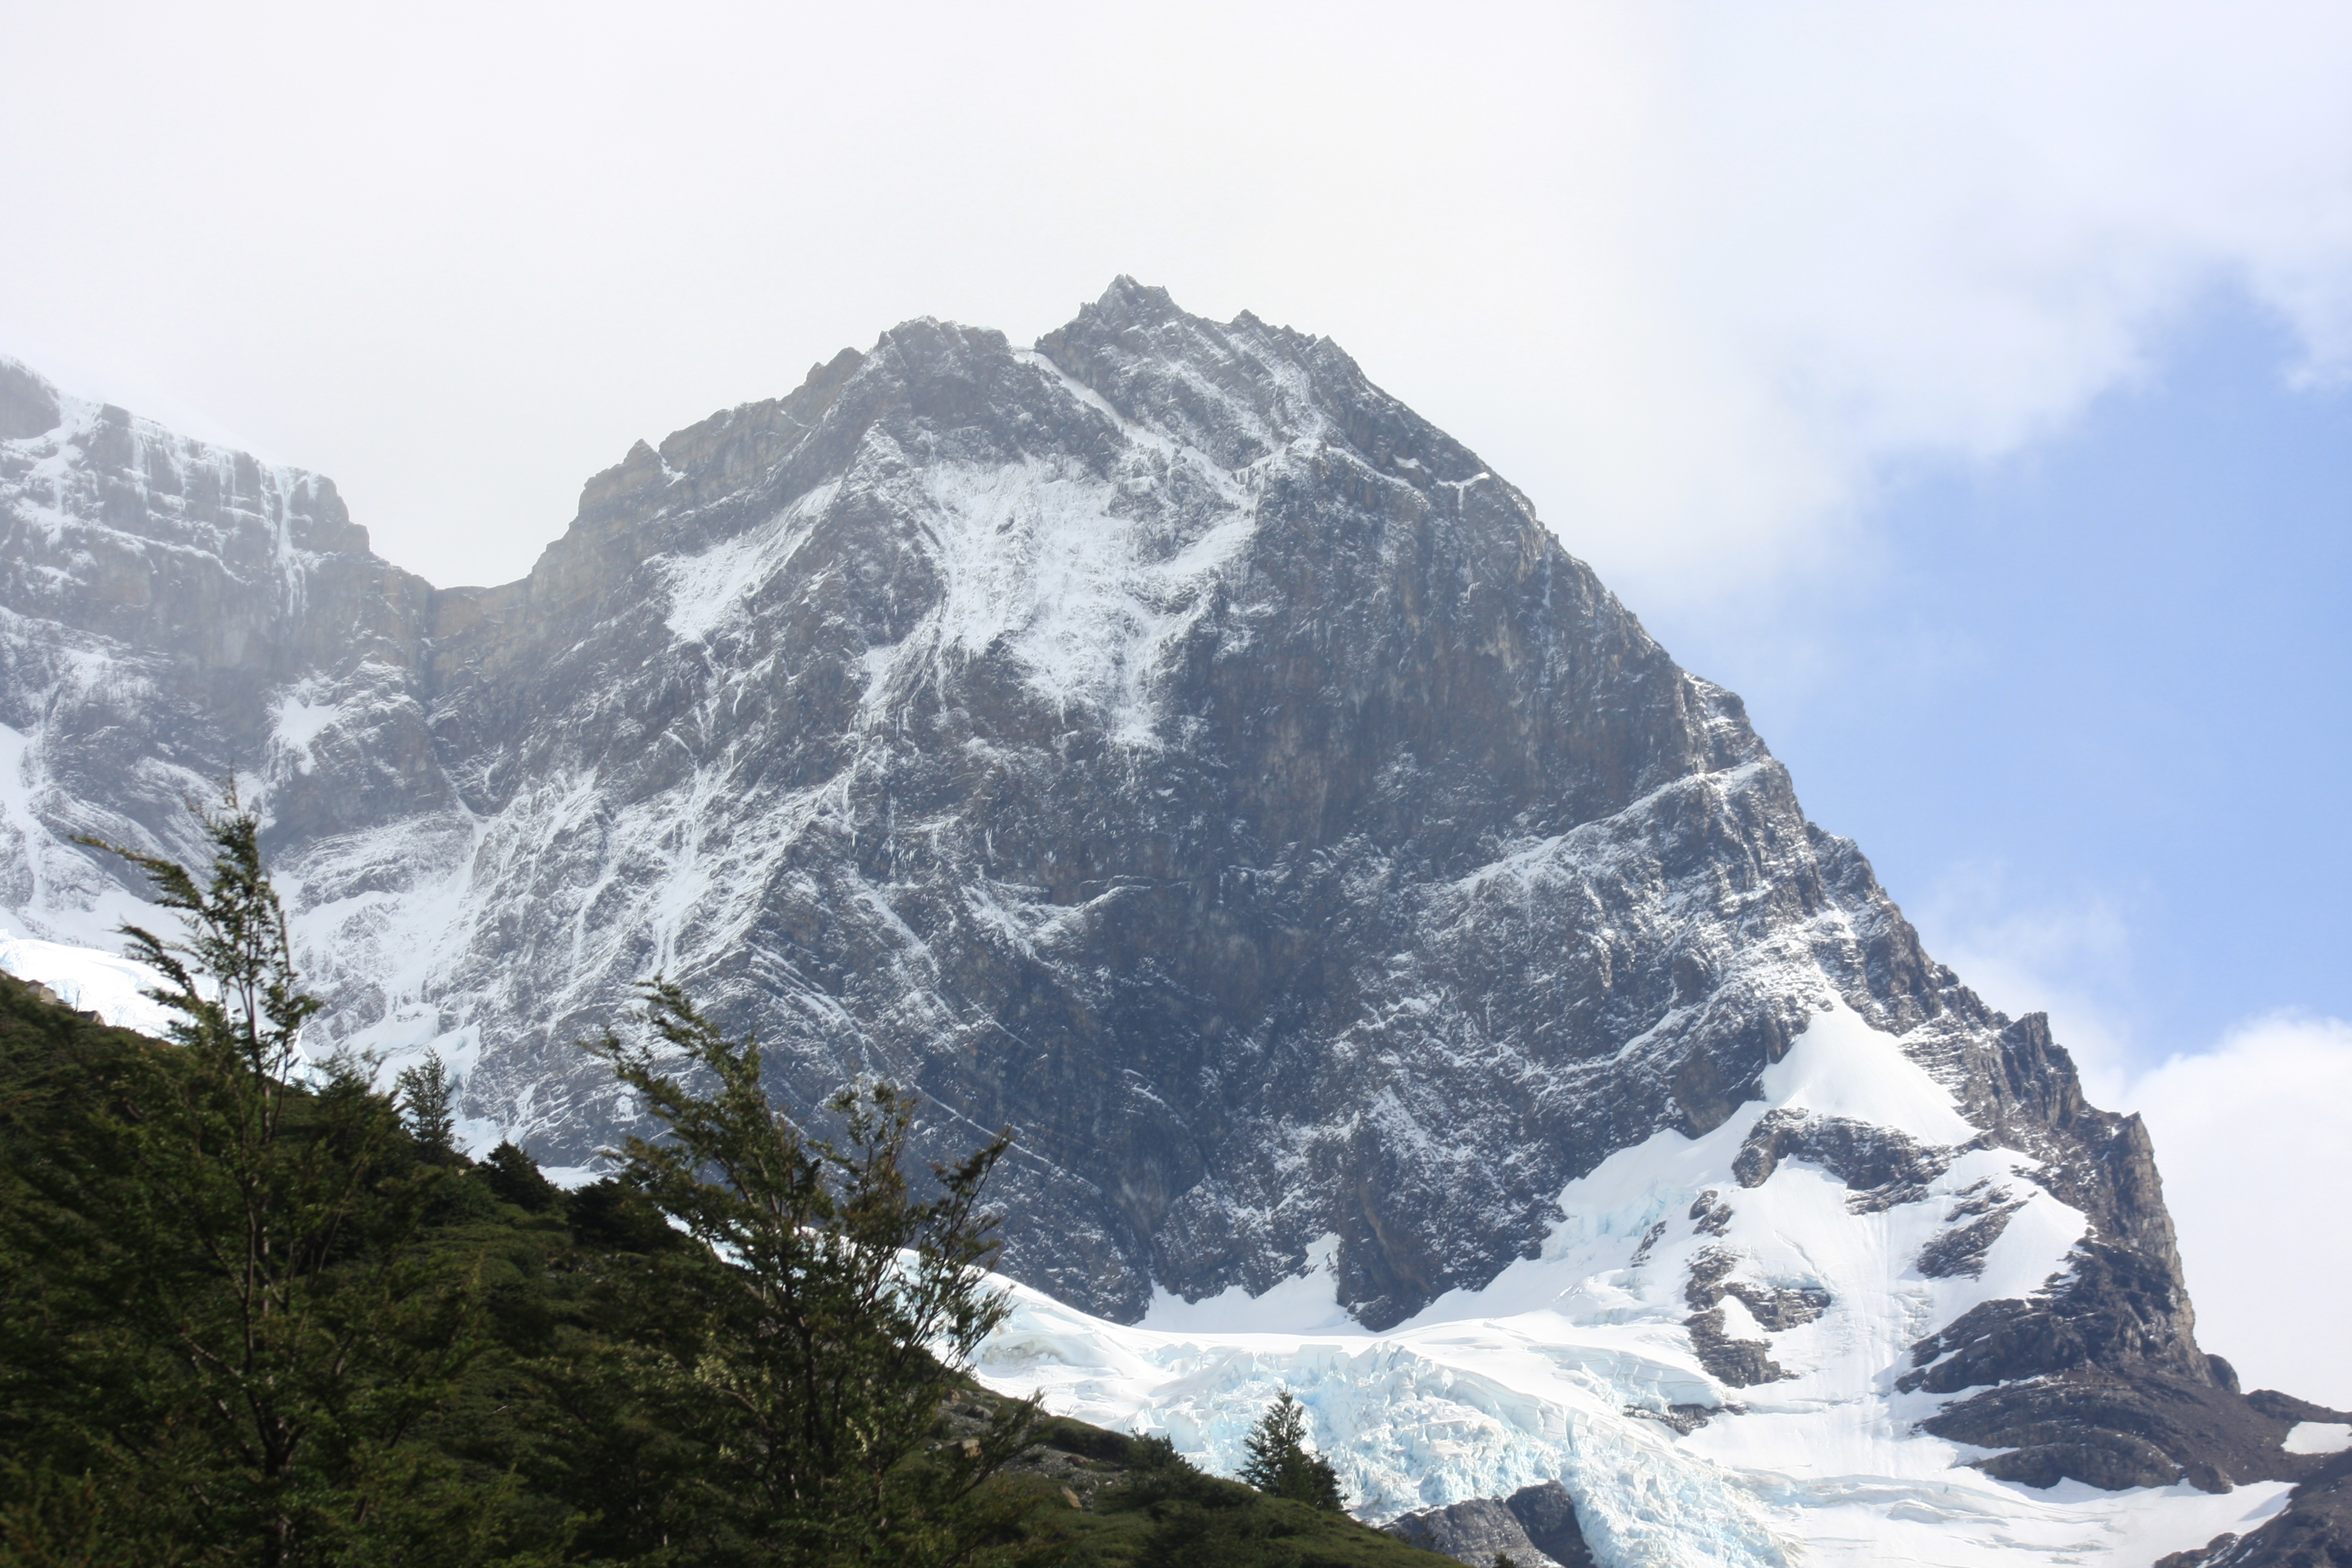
pixel 1714 283
pixel 1687 273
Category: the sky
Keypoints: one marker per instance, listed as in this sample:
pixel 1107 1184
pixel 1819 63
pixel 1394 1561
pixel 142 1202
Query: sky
pixel 1968 387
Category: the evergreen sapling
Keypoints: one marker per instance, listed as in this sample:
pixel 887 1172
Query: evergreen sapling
pixel 1282 1463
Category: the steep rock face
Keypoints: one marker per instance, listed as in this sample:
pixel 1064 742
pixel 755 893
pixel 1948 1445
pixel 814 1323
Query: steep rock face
pixel 171 616
pixel 1160 741
pixel 2315 1530
pixel 1136 740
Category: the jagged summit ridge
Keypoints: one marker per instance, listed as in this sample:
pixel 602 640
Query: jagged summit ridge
pixel 988 586
pixel 1049 553
pixel 1393 733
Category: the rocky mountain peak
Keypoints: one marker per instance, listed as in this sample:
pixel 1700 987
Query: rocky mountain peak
pixel 1162 743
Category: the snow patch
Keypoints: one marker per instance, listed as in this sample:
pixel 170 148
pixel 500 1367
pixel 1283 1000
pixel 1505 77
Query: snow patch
pixel 1843 1067
pixel 1304 1303
pixel 300 720
pixel 1084 580
pixel 708 590
pixel 2318 1437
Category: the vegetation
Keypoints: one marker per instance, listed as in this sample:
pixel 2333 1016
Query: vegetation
pixel 811 1386
pixel 426 1096
pixel 249 1315
pixel 1144 1504
pixel 1281 1463
pixel 218 1325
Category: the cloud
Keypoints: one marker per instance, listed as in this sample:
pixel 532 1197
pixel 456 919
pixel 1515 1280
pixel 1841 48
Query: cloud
pixel 2256 1150
pixel 1694 275
pixel 1883 233
pixel 2070 957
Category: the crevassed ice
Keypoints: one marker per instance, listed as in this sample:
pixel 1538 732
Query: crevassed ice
pixel 1565 1367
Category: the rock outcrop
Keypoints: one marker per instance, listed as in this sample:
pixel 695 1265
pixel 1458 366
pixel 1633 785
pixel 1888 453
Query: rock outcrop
pixel 1536 1527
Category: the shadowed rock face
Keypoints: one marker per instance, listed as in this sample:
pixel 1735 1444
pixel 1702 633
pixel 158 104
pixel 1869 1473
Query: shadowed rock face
pixel 1160 741
pixel 1536 1527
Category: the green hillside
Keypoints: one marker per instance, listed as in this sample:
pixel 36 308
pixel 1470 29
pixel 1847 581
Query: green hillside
pixel 502 1424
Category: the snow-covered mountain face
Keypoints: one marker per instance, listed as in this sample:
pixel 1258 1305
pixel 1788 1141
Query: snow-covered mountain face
pixel 1162 741
pixel 1715 1356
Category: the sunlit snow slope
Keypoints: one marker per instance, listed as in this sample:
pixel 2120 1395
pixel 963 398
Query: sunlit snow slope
pixel 1578 1366
pixel 88 981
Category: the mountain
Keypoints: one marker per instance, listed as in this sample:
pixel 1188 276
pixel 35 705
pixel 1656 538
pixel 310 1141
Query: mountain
pixel 1164 743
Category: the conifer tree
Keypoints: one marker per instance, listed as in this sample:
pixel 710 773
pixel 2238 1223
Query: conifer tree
pixel 514 1177
pixel 840 1306
pixel 424 1095
pixel 1282 1464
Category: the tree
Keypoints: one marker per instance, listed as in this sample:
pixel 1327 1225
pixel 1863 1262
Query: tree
pixel 1282 1464
pixel 236 1338
pixel 838 1307
pixel 425 1094
pixel 515 1178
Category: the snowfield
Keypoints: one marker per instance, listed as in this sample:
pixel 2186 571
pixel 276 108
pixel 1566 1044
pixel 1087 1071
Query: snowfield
pixel 88 981
pixel 1577 1367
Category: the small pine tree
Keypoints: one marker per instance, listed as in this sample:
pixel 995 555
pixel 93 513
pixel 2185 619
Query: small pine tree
pixel 1281 1463
pixel 424 1093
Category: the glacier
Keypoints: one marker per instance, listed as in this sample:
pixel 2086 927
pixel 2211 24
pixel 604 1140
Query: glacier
pixel 1576 1365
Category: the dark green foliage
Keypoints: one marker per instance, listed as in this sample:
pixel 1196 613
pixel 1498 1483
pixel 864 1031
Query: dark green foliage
pixel 828 1339
pixel 564 1453
pixel 1159 1479
pixel 255 1313
pixel 1282 1464
pixel 424 1093
pixel 1147 1504
pixel 611 1215
pixel 514 1177
pixel 1199 1518
pixel 220 1332
pixel 1243 1538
